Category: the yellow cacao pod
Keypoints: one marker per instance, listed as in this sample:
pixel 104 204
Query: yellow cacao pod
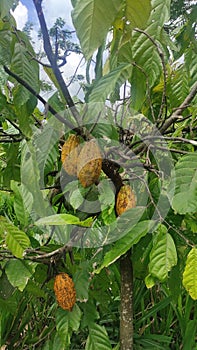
pixel 65 291
pixel 125 199
pixel 69 154
pixel 89 163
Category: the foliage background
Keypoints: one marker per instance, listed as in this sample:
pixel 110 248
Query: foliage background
pixel 145 68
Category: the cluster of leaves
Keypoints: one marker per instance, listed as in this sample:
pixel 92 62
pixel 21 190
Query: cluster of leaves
pixel 129 45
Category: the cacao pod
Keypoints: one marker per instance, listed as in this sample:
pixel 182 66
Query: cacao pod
pixel 64 291
pixel 69 154
pixel 89 163
pixel 125 199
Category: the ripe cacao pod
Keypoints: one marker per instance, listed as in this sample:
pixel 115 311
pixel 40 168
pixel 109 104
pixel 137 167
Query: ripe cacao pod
pixel 125 199
pixel 89 163
pixel 69 154
pixel 65 291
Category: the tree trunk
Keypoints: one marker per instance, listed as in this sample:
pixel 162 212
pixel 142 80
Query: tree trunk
pixel 126 309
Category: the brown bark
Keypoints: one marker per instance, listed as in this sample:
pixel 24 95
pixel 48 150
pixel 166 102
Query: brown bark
pixel 126 311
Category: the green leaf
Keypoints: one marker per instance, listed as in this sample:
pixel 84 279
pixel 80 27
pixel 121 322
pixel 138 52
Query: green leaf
pixel 189 341
pixel 17 241
pixel 125 243
pixel 107 194
pixel 12 170
pixel 163 255
pixel 107 83
pixel 92 20
pixel 35 290
pixel 30 177
pixel 19 272
pixel 150 281
pixel 75 318
pixel 45 143
pixel 19 207
pixel 23 67
pixel 5 50
pixel 154 310
pixel 63 219
pixel 6 288
pixel 98 338
pixel 10 307
pixel 73 2
pixel 137 13
pixel 147 68
pixel 76 199
pixel 82 280
pixel 185 198
pixel 5 6
pixel 190 272
pixel 90 313
pixel 62 338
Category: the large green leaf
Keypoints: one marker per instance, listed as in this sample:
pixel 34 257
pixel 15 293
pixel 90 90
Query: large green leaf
pixel 16 240
pixel 5 6
pixel 137 12
pixel 33 197
pixel 163 255
pixel 179 87
pixel 98 338
pixel 46 150
pixel 147 68
pixel 66 323
pixel 82 280
pixel 30 177
pixel 5 48
pixel 73 318
pixel 185 198
pixel 92 20
pixel 12 170
pixel 19 207
pixel 26 70
pixel 125 243
pixel 63 219
pixel 63 334
pixel 191 64
pixel 19 272
pixel 108 83
pixel 190 273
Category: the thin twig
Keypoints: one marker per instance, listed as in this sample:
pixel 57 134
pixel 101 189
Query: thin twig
pixel 188 242
pixel 173 150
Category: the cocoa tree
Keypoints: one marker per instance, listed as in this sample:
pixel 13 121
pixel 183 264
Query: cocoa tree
pixel 134 269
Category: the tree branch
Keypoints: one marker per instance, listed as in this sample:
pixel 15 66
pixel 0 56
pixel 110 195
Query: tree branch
pixel 126 310
pixel 40 98
pixel 38 256
pixel 53 62
pixel 179 110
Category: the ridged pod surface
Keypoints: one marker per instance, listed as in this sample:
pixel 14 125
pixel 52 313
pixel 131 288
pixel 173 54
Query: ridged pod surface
pixel 69 154
pixel 125 199
pixel 65 291
pixel 89 163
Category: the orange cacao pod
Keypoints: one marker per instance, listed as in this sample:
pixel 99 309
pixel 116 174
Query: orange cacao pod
pixel 89 163
pixel 69 154
pixel 125 199
pixel 64 291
